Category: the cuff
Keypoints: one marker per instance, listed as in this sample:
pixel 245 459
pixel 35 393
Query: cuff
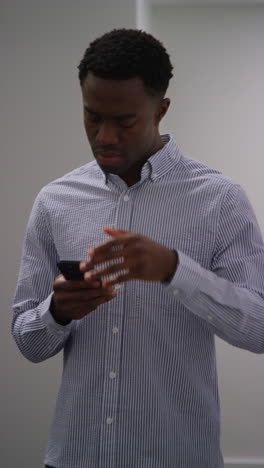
pixel 187 277
pixel 53 327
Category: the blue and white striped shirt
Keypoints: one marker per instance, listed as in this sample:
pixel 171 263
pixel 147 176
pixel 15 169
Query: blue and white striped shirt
pixel 139 386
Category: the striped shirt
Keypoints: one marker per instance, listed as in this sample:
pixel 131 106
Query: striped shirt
pixel 139 385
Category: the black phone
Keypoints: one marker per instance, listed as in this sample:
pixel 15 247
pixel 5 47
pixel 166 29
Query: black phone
pixel 70 269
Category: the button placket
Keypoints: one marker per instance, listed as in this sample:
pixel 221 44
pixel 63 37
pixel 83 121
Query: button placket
pixel 113 357
pixel 111 389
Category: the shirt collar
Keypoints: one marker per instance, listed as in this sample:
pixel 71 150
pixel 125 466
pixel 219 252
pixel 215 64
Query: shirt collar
pixel 159 163
pixel 165 159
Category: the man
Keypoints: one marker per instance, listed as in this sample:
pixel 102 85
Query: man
pixel 139 385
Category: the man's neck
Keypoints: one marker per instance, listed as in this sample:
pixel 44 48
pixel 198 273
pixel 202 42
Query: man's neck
pixel 134 174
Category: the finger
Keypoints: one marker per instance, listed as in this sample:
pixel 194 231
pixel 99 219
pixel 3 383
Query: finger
pixel 89 266
pixel 109 244
pixel 76 301
pixel 112 246
pixel 102 250
pixel 110 269
pixel 119 279
pixel 79 311
pixel 81 299
pixel 115 232
pixel 60 279
pixel 103 258
pixel 61 284
pixel 92 304
pixel 107 297
pixel 86 265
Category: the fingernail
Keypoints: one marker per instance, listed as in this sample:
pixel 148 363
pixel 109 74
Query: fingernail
pixel 87 275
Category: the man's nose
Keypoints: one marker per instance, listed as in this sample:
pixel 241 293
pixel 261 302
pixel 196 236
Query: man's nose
pixel 107 134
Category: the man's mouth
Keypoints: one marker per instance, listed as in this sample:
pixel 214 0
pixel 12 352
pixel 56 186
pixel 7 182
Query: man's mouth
pixel 108 157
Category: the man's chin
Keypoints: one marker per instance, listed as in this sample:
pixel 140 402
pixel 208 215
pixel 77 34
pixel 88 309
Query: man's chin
pixel 115 165
pixel 108 168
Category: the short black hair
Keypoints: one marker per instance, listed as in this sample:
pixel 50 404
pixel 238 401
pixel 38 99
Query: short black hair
pixel 122 54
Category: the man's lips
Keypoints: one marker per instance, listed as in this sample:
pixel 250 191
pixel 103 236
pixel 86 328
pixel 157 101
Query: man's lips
pixel 108 157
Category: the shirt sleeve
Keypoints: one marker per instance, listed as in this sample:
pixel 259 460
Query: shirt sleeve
pixel 35 332
pixel 229 296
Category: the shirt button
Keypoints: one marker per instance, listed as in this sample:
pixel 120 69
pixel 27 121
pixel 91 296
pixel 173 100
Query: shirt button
pixel 176 292
pixel 112 375
pixel 109 421
pixel 210 318
pixel 126 198
pixel 115 330
pixel 60 332
pixel 154 176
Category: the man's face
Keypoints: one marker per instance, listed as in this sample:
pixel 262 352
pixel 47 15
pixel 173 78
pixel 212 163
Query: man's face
pixel 121 122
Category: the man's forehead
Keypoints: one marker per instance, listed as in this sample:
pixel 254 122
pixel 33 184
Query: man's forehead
pixel 115 98
pixel 96 85
pixel 121 115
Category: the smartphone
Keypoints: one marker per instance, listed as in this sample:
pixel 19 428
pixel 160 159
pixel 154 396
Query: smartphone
pixel 70 269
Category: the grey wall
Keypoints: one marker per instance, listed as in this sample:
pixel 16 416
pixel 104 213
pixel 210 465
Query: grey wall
pixel 217 116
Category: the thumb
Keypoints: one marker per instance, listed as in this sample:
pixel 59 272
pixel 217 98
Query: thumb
pixel 115 232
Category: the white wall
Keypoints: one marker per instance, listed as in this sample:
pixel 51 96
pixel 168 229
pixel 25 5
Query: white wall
pixel 144 14
pixel 42 137
pixel 217 116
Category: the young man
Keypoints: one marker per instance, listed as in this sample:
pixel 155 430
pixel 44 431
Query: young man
pixel 139 385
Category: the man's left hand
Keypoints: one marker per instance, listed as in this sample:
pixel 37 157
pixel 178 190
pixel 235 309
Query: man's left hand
pixel 136 257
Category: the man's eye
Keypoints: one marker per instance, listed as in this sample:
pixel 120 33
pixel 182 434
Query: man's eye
pixel 127 123
pixel 93 118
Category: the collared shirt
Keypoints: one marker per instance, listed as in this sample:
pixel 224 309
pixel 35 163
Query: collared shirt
pixel 139 385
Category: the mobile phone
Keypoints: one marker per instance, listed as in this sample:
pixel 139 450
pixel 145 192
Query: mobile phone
pixel 70 269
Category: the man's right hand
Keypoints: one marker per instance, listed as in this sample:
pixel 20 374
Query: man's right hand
pixel 73 300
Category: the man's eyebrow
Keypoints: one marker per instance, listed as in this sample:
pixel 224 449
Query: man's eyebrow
pixel 116 117
pixel 125 116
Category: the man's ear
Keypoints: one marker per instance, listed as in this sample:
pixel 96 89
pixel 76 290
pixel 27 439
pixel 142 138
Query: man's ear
pixel 162 109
